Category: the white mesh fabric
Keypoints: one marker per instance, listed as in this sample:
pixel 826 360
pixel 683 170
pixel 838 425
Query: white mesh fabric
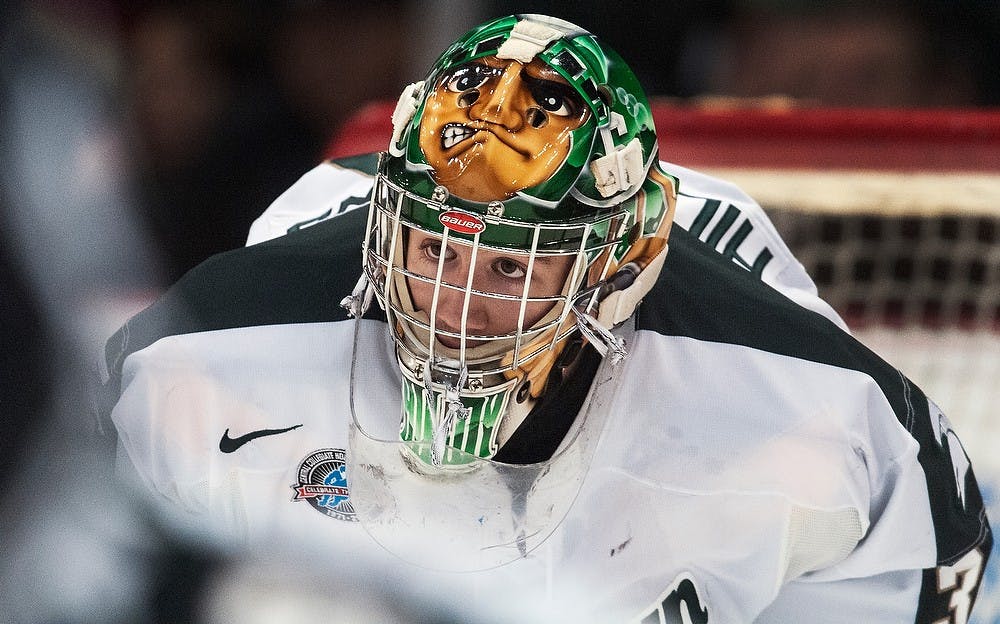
pixel 818 538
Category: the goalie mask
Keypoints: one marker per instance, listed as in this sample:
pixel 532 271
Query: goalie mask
pixel 519 212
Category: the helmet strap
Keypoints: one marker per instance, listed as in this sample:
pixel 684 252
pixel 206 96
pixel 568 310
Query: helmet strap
pixel 620 304
pixel 527 39
pixel 606 343
pixel 360 299
pixel 621 169
pixel 406 108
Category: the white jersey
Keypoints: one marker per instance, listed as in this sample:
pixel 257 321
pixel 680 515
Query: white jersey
pixel 755 462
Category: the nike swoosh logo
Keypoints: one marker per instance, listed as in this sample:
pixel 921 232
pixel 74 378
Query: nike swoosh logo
pixel 228 445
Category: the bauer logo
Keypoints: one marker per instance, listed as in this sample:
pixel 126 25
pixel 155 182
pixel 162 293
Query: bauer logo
pixel 462 222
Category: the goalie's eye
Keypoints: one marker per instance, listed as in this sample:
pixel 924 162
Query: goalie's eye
pixel 431 249
pixel 509 269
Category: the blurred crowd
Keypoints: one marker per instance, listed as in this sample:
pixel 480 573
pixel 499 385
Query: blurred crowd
pixel 220 106
pixel 139 138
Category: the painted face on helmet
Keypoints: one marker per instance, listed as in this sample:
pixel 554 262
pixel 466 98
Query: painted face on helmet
pixel 498 279
pixel 492 127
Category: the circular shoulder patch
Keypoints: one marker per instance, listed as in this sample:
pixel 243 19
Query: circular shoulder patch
pixel 322 482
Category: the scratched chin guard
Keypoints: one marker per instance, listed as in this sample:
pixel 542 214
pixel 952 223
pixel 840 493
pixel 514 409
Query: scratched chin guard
pixel 463 513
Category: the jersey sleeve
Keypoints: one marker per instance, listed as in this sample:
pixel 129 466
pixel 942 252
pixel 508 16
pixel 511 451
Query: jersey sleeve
pixel 173 417
pixel 329 190
pixel 722 216
pixel 163 419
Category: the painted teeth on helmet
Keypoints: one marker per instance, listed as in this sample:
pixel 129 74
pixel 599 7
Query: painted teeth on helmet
pixel 453 134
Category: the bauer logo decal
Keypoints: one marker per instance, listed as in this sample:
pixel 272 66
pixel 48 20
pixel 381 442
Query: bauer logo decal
pixel 462 222
pixel 322 482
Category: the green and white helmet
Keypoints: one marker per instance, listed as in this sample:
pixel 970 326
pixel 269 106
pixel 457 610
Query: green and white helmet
pixel 520 209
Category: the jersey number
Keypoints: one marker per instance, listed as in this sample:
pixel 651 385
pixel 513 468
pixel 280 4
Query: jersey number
pixel 956 589
pixel 680 606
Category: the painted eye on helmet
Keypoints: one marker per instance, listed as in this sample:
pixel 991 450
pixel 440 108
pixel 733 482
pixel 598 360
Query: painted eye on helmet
pixel 471 76
pixel 555 97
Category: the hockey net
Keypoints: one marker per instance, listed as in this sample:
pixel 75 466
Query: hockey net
pixel 896 216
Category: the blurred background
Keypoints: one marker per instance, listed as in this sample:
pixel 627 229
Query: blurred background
pixel 136 139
